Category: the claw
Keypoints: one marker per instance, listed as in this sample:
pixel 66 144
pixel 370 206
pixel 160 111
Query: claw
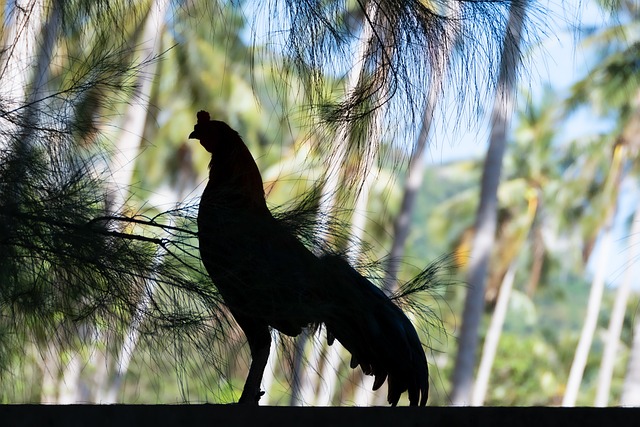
pixel 379 381
pixel 354 362
pixel 330 338
pixel 248 400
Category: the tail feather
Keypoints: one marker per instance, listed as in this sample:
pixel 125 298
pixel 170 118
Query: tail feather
pixel 379 336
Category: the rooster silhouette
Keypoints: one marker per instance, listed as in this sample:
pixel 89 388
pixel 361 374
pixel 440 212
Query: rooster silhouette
pixel 269 279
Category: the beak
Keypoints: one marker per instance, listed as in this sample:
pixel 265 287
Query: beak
pixel 193 135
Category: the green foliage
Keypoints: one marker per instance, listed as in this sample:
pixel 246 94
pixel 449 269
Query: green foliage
pixel 526 372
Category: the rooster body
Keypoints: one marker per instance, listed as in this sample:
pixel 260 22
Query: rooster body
pixel 269 279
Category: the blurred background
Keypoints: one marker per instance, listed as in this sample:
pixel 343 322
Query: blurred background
pixel 501 139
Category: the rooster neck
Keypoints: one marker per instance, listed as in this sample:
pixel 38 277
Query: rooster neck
pixel 234 177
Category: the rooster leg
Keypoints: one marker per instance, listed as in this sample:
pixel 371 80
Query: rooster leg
pixel 259 340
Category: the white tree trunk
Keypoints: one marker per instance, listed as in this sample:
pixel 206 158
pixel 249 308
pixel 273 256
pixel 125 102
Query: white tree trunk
pixel 303 383
pixel 28 45
pixel 341 140
pixel 49 364
pixel 127 144
pixel 590 322
pixel 617 316
pixel 20 45
pixel 268 378
pixel 631 387
pixel 492 339
pixel 597 286
pixel 69 386
pixel 591 318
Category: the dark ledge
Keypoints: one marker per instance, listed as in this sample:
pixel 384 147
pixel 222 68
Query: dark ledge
pixel 264 416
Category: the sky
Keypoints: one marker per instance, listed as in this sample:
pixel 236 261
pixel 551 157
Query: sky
pixel 558 61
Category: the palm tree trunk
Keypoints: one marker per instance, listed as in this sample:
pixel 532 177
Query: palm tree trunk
pixel 127 145
pixel 538 252
pixel 500 311
pixel 590 322
pixel 597 286
pixel 492 339
pixel 269 373
pixel 415 170
pixel 49 364
pixel 617 317
pixel 20 44
pixel 303 384
pixel 486 216
pixel 25 67
pixel 631 386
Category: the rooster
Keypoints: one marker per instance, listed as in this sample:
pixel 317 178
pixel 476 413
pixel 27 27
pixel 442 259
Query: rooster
pixel 269 279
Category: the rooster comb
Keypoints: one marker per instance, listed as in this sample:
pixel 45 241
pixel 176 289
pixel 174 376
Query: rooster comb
pixel 203 116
